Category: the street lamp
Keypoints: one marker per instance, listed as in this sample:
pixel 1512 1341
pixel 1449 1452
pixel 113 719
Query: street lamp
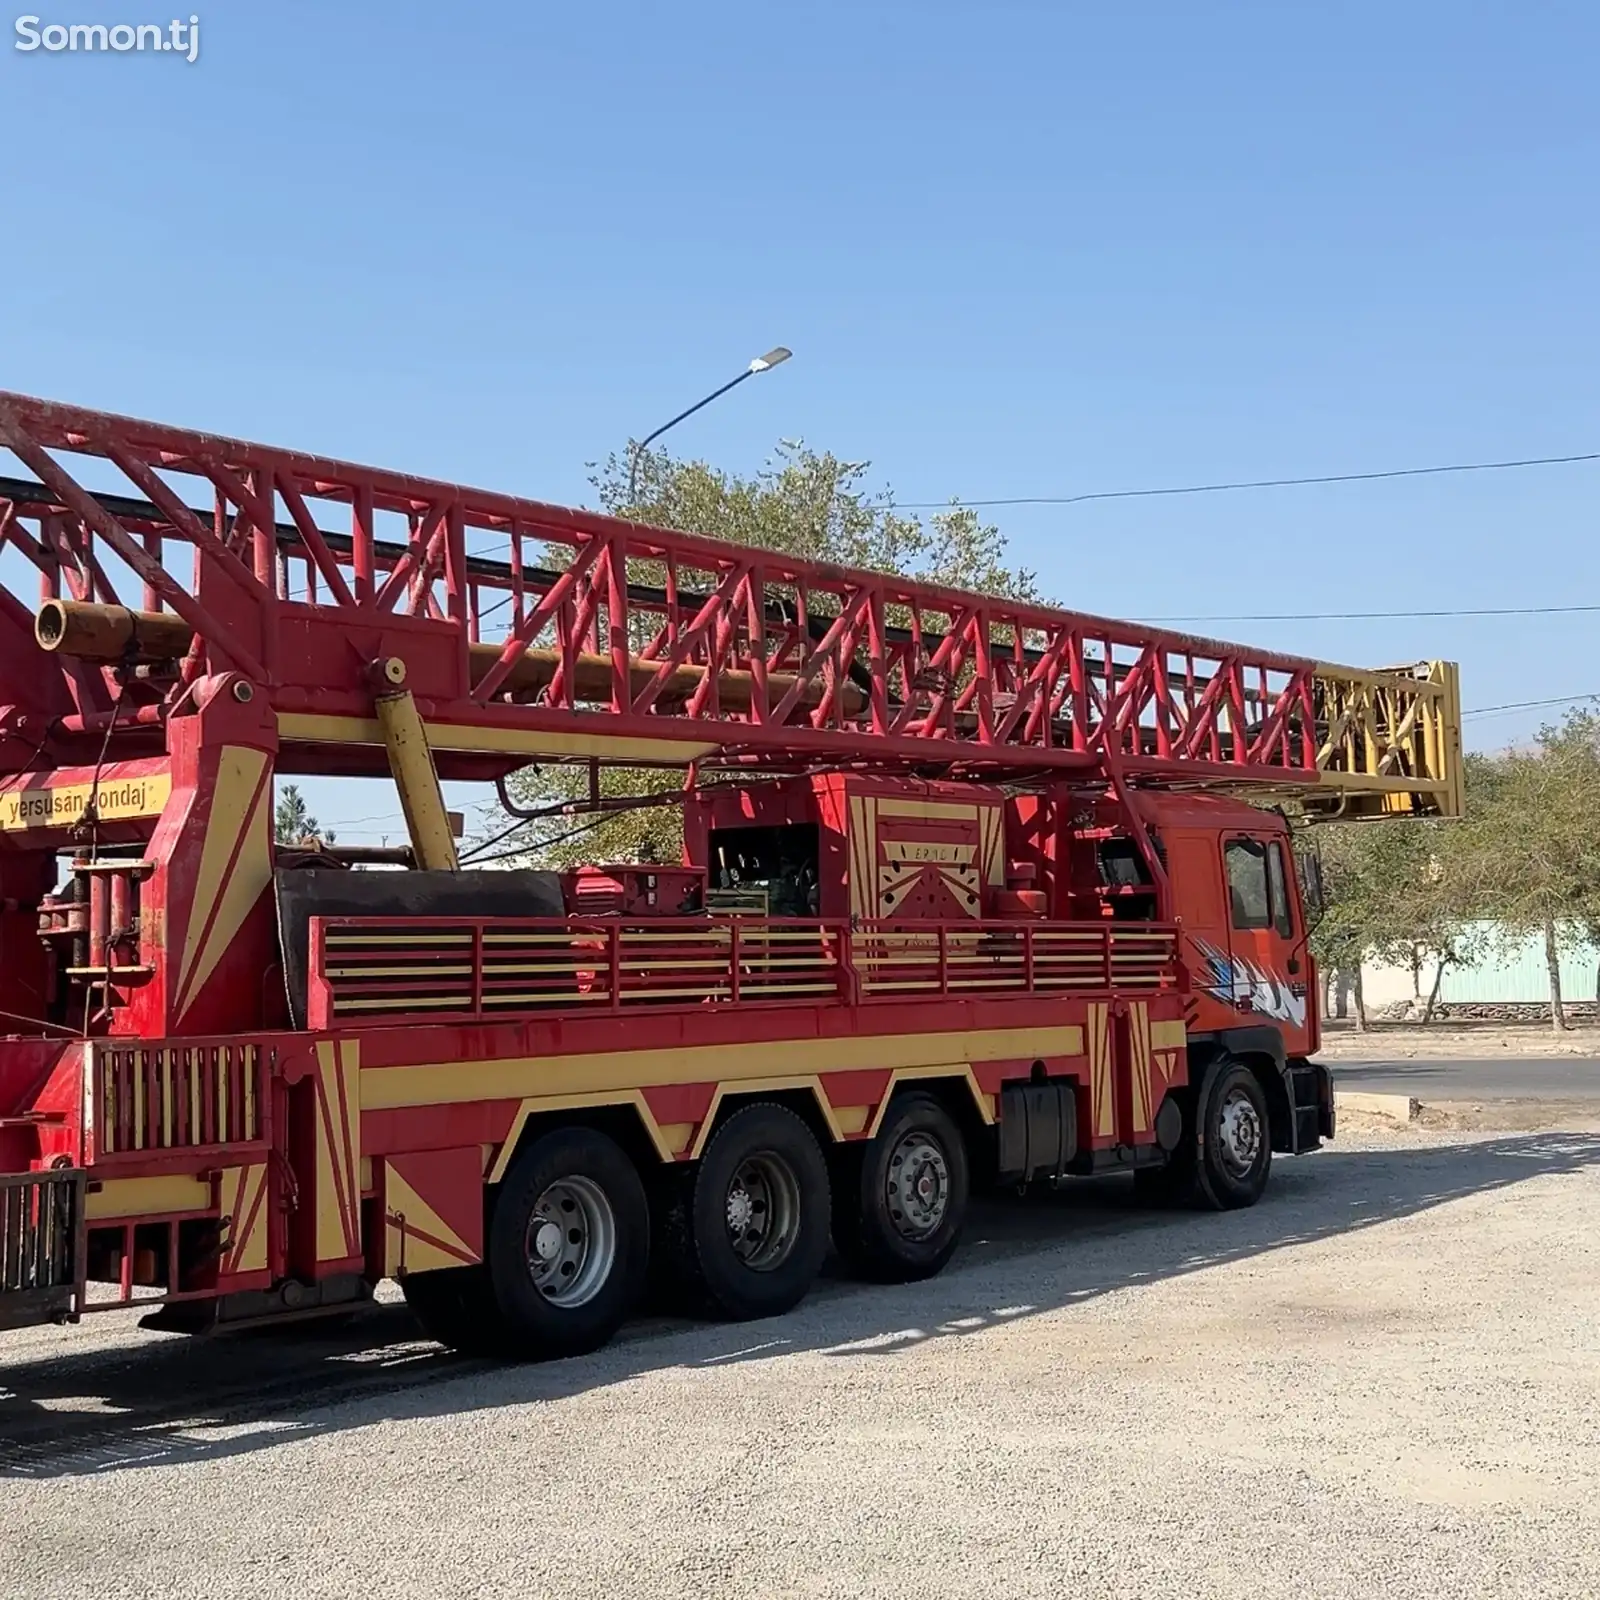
pixel 773 358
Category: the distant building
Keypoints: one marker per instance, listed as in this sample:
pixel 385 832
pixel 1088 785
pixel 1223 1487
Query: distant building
pixel 1513 973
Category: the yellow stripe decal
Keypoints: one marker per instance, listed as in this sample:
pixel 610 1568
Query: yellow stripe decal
pixel 535 1077
pixel 416 1237
pixel 147 1197
pixel 316 728
pixel 338 1203
pixel 235 865
pixel 1100 1074
pixel 1139 1063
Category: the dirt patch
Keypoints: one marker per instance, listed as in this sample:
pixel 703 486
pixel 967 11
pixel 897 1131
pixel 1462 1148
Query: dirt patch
pixel 1399 1041
pixel 1483 1116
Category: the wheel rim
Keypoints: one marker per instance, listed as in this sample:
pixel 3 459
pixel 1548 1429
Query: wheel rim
pixel 762 1211
pixel 1238 1132
pixel 571 1242
pixel 917 1185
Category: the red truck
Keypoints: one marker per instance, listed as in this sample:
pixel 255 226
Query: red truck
pixel 972 891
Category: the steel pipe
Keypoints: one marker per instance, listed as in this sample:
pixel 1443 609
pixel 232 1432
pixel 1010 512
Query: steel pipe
pixel 92 631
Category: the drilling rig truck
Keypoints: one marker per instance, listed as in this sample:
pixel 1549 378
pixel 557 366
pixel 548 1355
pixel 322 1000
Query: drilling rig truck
pixel 973 891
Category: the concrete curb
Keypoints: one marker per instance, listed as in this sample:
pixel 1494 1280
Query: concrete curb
pixel 1397 1107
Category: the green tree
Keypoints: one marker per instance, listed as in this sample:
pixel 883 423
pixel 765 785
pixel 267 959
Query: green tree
pixel 1394 894
pixel 803 503
pixel 1343 935
pixel 1530 848
pixel 292 822
pixel 1432 920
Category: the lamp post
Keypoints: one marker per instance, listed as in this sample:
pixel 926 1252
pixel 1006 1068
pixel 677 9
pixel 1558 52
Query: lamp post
pixel 773 358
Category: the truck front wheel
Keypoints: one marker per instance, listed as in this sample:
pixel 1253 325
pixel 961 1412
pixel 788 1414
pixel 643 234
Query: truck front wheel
pixel 900 1201
pixel 1236 1139
pixel 1225 1155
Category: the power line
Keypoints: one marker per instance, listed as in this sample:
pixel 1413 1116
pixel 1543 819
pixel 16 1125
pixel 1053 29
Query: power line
pixel 1253 483
pixel 1383 616
pixel 1332 616
pixel 1530 705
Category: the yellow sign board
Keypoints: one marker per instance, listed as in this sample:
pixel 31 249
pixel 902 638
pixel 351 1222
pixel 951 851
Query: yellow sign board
pixel 63 805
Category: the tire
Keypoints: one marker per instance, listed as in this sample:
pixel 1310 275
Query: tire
pixel 1231 1149
pixel 456 1306
pixel 569 1244
pixel 899 1202
pixel 757 1214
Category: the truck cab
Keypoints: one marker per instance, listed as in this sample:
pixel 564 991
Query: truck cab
pixel 1238 897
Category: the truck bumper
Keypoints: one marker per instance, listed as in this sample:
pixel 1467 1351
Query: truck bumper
pixel 1312 1086
pixel 41 1246
pixel 1326 1118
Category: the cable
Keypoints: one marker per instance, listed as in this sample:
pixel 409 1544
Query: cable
pixel 38 1022
pixel 545 844
pixel 1382 616
pixel 494 839
pixel 1255 483
pixel 1530 705
pixel 1339 616
pixel 1346 616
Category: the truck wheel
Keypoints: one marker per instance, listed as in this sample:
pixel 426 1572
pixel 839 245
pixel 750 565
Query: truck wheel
pixel 758 1213
pixel 456 1306
pixel 1233 1151
pixel 569 1244
pixel 900 1201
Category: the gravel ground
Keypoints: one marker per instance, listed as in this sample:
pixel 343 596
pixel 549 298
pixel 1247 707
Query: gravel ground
pixel 1384 1380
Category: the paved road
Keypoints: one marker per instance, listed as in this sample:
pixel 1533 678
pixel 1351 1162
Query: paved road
pixel 1492 1078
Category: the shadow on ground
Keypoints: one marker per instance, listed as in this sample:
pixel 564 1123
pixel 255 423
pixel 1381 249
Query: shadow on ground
pixel 158 1400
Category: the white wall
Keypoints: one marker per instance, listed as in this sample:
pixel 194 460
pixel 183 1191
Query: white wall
pixel 1513 972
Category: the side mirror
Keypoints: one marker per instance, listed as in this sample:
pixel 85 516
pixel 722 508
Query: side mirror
pixel 1308 869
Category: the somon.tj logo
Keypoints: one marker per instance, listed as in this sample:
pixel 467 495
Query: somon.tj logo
pixel 176 38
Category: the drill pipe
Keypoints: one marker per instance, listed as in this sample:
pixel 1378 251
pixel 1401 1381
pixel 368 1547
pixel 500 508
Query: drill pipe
pixel 94 632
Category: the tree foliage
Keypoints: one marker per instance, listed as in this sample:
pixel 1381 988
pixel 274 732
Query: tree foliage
pixel 1391 897
pixel 1525 861
pixel 803 503
pixel 292 822
pixel 1528 855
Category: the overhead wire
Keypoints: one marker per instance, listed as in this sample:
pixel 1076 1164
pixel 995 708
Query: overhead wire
pixel 1381 616
pixel 1244 483
pixel 541 844
pixel 1531 705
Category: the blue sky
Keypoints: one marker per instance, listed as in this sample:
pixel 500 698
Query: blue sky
pixel 1016 248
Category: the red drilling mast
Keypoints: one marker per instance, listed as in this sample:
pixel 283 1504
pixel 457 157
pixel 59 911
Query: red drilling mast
pixel 641 631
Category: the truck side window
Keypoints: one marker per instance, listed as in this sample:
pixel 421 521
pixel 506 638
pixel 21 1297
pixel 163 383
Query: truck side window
pixel 1282 913
pixel 1247 883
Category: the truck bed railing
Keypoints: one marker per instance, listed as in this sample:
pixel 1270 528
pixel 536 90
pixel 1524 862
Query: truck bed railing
pixel 193 1095
pixel 377 970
